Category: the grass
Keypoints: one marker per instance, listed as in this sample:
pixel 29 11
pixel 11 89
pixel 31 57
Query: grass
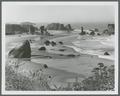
pixel 101 80
pixel 33 81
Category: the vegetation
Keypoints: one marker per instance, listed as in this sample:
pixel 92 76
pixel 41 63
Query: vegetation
pixel 101 79
pixel 16 81
pixel 31 81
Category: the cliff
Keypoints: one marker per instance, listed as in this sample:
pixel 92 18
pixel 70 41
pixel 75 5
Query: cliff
pixel 58 26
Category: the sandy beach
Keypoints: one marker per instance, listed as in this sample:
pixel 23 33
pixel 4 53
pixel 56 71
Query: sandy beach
pixel 62 69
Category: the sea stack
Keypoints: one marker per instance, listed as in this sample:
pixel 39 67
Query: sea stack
pixel 23 51
pixel 58 26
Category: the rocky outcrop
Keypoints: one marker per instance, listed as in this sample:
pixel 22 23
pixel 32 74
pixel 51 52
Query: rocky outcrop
pixel 45 66
pixel 55 26
pixel 58 26
pixel 60 42
pixel 110 29
pixel 47 42
pixel 42 48
pixel 53 43
pixel 106 53
pixel 68 27
pixel 23 51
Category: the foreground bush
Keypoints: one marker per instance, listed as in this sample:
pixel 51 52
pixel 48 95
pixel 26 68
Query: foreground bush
pixel 101 80
pixel 17 81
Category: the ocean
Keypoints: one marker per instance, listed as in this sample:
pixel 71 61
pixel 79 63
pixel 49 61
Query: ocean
pixel 100 26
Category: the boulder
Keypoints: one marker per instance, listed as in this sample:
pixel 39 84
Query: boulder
pixel 23 51
pixel 106 53
pixel 62 49
pixel 45 66
pixel 92 33
pixel 98 34
pixel 47 42
pixel 53 43
pixel 60 42
pixel 68 27
pixel 42 49
pixel 71 55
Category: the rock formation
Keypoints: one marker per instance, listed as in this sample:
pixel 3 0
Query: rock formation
pixel 45 66
pixel 111 28
pixel 23 51
pixel 53 43
pixel 42 48
pixel 47 42
pixel 106 53
pixel 68 27
pixel 60 42
pixel 58 26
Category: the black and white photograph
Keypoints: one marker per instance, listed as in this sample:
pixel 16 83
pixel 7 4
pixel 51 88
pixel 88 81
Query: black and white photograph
pixel 59 48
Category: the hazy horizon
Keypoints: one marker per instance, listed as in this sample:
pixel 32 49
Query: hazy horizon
pixel 58 13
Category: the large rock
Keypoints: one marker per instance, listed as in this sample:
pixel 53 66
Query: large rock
pixel 111 28
pixel 55 26
pixel 42 49
pixel 58 26
pixel 23 51
pixel 106 53
pixel 68 27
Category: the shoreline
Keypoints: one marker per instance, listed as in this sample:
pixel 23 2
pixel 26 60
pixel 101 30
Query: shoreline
pixel 62 67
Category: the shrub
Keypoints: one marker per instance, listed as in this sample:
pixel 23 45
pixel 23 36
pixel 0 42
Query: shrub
pixel 102 79
pixel 15 81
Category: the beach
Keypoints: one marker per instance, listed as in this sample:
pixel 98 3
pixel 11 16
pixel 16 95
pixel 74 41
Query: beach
pixel 66 69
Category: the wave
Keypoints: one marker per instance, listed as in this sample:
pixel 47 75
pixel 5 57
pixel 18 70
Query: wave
pixel 92 52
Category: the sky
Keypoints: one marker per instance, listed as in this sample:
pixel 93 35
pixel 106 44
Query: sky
pixel 58 13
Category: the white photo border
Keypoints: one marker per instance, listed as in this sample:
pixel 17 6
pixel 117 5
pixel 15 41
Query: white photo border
pixel 4 92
